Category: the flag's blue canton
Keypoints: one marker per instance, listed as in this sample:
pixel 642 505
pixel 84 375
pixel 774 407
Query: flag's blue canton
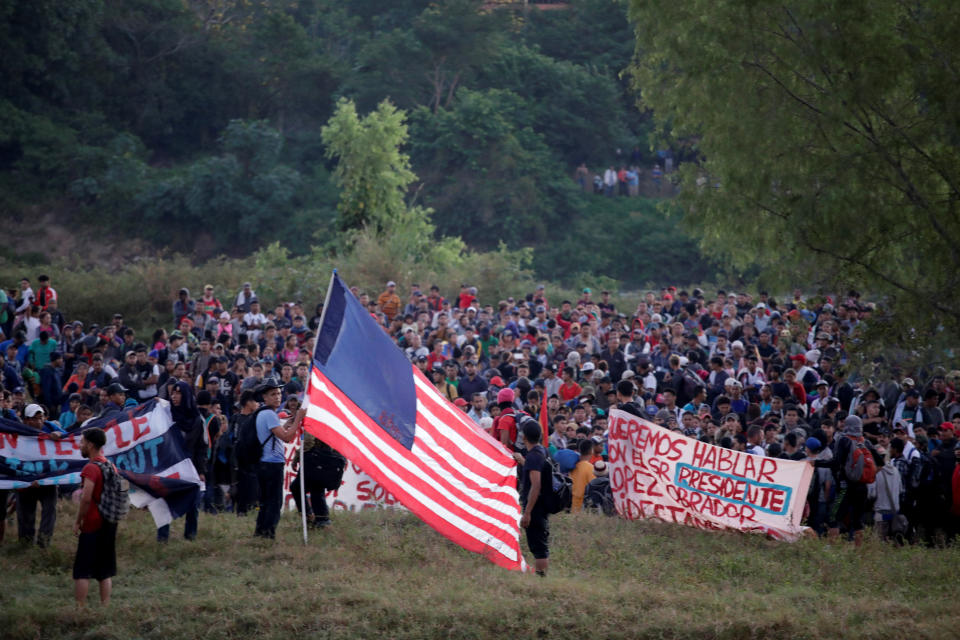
pixel 355 354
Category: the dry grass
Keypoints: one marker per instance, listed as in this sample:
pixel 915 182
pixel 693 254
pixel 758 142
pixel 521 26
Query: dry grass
pixel 387 575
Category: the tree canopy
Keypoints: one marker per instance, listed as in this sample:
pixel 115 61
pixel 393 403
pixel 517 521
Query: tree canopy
pixel 828 140
pixel 146 115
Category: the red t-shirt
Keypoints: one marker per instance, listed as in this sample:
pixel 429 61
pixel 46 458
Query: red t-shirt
pixel 569 391
pixel 505 422
pixel 467 300
pixel 92 521
pixel 434 358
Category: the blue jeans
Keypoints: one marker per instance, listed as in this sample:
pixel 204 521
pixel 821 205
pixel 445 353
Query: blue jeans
pixel 189 526
pixel 270 479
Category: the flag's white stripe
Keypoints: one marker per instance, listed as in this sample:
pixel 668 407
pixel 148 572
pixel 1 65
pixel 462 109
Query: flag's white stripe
pixel 478 534
pixel 511 511
pixel 465 445
pixel 429 448
pixel 417 468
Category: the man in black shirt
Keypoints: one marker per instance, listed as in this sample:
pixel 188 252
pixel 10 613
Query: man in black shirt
pixel 534 518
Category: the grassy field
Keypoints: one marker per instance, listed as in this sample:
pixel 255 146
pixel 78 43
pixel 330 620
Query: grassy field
pixel 384 574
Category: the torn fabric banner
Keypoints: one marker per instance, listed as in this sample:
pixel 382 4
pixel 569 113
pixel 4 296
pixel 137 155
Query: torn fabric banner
pixel 656 473
pixel 140 442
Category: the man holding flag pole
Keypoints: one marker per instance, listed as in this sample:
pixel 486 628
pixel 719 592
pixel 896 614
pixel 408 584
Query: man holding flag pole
pixel 369 402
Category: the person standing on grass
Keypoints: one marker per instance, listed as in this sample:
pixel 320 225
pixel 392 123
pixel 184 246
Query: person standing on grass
pixel 272 433
pixel 186 417
pixel 96 557
pixel 534 518
pixel 27 498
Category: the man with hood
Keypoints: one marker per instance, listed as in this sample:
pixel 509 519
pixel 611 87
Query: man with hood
pixel 186 418
pixel 821 487
pixel 886 492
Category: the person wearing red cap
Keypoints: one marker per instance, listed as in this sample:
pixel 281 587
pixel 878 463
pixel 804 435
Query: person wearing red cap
pixel 462 404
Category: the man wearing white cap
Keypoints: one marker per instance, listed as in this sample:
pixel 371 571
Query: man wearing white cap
pixel 27 499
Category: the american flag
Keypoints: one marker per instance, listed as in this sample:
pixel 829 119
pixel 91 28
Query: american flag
pixel 374 406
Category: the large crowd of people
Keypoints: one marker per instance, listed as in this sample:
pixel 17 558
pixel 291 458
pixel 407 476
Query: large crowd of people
pixel 750 373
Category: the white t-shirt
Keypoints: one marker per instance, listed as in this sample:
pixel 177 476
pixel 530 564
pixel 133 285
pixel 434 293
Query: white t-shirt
pixel 251 319
pixel 150 391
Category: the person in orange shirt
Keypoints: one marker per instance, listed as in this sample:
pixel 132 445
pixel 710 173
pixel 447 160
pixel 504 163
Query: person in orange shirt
pixel 582 474
pixel 389 301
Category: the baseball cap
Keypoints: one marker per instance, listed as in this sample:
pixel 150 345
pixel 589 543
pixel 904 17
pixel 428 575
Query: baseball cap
pixel 496 381
pixel 588 366
pixel 460 402
pixel 32 410
pixel 391 283
pixel 116 387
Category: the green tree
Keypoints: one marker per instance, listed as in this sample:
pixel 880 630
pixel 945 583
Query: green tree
pixel 424 58
pixel 577 109
pixel 481 159
pixel 829 139
pixel 372 172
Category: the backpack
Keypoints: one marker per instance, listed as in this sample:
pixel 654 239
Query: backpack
pixel 249 448
pixel 923 472
pixel 556 495
pixel 600 497
pixel 522 417
pixel 115 495
pixel 860 467
pixel 324 466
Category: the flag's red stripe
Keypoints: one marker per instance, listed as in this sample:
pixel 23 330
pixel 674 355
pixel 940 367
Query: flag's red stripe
pixel 454 450
pixel 472 512
pixel 424 483
pixel 370 466
pixel 429 478
pixel 478 437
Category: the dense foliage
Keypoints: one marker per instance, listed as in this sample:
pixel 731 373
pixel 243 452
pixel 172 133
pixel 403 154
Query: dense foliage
pixel 197 124
pixel 829 137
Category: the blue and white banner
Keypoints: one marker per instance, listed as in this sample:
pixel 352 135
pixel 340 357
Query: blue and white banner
pixel 141 442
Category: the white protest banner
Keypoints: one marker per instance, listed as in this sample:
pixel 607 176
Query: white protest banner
pixel 656 473
pixel 357 490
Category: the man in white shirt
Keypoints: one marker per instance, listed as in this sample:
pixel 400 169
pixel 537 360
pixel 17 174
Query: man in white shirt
pixel 245 298
pixel 254 320
pixel 27 297
pixel 149 372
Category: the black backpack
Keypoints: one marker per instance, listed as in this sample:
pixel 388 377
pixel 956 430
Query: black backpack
pixel 600 497
pixel 556 489
pixel 324 466
pixel 248 447
pixel 923 472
